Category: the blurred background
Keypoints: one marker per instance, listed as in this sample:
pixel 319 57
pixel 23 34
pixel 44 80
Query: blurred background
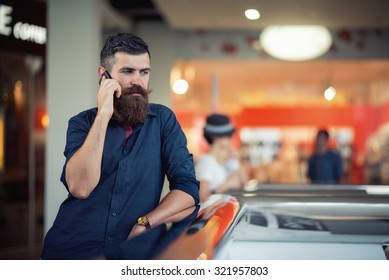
pixel 278 91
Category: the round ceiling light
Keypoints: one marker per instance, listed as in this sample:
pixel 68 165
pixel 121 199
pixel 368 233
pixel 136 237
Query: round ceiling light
pixel 296 42
pixel 252 14
pixel 180 86
pixel 329 93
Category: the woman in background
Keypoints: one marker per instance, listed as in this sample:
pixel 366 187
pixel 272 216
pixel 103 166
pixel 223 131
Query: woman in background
pixel 219 170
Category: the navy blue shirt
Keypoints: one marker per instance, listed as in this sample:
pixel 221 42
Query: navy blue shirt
pixel 326 168
pixel 132 177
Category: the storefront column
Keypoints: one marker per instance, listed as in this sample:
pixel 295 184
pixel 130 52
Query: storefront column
pixel 73 49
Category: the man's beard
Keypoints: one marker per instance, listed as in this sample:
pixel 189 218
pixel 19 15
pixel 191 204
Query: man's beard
pixel 131 110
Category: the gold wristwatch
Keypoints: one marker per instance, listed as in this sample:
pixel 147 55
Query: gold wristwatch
pixel 143 221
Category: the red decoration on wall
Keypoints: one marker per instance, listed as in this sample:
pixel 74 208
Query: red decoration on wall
pixel 229 48
pixel 250 40
pixel 345 36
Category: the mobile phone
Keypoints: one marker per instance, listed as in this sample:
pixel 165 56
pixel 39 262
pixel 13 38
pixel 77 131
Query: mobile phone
pixel 106 75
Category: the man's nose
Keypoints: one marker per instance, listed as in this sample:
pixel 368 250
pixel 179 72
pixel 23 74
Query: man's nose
pixel 136 79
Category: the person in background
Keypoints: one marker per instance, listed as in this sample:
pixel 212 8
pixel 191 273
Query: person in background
pixel 324 166
pixel 219 170
pixel 117 156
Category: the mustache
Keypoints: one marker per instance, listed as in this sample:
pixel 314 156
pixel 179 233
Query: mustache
pixel 135 89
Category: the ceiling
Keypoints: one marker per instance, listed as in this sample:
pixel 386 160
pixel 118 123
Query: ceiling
pixel 229 14
pixel 260 83
pixel 223 14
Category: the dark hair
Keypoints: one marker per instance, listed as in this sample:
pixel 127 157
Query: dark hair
pixel 122 42
pixel 217 125
pixel 209 139
pixel 323 132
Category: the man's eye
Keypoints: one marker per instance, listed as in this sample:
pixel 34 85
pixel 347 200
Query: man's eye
pixel 144 72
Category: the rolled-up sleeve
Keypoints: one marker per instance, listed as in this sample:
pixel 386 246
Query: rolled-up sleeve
pixel 177 161
pixel 78 129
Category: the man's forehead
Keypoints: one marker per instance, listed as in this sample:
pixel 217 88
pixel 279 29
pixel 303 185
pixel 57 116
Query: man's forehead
pixel 127 56
pixel 122 59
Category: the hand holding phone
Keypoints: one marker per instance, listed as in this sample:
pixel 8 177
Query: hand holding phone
pixel 105 94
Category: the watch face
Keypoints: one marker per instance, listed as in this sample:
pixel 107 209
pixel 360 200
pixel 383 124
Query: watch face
pixel 142 220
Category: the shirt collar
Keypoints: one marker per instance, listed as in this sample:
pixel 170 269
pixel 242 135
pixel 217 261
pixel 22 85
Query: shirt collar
pixel 151 112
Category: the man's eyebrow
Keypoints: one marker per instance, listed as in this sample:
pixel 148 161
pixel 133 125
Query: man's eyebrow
pixel 132 69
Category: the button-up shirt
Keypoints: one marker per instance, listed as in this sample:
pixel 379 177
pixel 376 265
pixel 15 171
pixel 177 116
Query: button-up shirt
pixel 130 186
pixel 326 168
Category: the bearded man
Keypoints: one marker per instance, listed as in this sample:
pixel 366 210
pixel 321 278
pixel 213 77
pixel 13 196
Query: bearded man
pixel 117 157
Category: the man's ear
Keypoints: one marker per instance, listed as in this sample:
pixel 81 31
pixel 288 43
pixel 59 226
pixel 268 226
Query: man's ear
pixel 100 71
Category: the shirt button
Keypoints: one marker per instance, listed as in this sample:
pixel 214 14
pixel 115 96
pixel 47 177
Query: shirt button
pixel 114 214
pixel 109 237
pixel 122 167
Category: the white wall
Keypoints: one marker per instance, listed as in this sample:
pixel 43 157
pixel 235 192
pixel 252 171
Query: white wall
pixel 73 51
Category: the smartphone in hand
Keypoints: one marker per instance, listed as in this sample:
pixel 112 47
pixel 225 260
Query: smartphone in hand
pixel 106 75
